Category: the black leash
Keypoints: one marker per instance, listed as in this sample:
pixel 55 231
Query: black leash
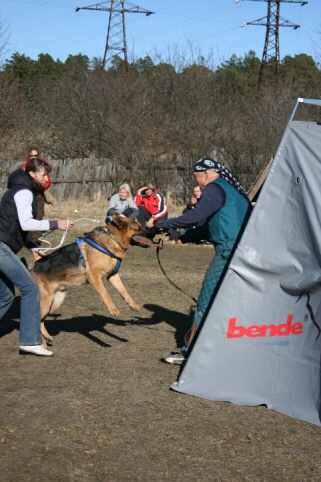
pixel 159 246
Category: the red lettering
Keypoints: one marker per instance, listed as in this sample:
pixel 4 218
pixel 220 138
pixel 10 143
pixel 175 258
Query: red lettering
pixel 272 329
pixel 255 331
pixel 285 329
pixel 235 331
pixel 297 328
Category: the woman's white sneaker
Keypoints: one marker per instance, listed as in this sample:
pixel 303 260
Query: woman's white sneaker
pixel 39 350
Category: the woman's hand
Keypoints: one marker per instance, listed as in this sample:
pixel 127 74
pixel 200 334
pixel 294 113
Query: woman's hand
pixel 140 190
pixel 150 223
pixel 65 224
pixel 37 254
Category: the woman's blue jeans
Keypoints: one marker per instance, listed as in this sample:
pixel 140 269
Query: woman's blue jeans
pixel 14 273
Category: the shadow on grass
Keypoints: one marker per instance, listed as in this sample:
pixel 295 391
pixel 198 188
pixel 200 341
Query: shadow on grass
pixel 10 321
pixel 86 325
pixel 177 320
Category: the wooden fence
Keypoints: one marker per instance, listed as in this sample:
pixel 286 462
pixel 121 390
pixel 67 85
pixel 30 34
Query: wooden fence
pixel 95 179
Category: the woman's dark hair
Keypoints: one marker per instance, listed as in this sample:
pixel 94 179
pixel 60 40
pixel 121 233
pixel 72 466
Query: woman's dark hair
pixel 35 165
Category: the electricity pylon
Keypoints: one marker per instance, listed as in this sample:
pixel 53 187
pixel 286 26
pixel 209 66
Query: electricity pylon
pixel 272 22
pixel 116 31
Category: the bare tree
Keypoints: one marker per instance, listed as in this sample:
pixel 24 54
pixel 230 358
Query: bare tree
pixel 4 40
pixel 156 122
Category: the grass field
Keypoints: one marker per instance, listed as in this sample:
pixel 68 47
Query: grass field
pixel 101 409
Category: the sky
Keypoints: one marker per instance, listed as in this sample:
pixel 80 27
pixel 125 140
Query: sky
pixel 212 27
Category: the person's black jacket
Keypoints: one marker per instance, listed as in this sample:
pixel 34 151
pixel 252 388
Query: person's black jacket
pixel 10 229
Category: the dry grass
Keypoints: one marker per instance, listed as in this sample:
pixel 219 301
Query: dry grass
pixel 101 408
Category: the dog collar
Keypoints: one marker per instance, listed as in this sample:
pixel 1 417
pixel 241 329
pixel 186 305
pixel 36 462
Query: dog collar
pixel 81 239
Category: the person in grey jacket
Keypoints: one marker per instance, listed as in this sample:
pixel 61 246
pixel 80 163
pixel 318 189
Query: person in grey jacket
pixel 122 203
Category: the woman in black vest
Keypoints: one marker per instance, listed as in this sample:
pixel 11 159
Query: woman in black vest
pixel 18 211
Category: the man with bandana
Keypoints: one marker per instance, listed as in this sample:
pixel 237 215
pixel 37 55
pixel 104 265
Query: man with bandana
pixel 226 208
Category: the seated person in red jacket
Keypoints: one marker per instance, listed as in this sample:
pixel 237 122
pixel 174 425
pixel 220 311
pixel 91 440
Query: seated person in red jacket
pixel 151 205
pixel 34 154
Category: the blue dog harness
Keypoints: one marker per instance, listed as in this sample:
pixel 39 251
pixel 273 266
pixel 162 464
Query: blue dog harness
pixel 80 239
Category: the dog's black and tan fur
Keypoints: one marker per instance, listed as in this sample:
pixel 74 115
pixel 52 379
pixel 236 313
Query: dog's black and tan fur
pixel 63 268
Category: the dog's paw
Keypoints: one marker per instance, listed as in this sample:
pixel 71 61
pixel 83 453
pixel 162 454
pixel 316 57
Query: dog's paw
pixel 45 335
pixel 48 340
pixel 134 306
pixel 114 311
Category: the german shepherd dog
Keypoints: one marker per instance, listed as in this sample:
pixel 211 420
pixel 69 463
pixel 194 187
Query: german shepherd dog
pixel 88 259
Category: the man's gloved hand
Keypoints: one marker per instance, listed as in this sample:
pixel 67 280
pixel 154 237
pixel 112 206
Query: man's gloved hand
pixel 159 230
pixel 173 234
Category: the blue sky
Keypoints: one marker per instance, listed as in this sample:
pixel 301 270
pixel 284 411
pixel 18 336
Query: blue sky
pixel 54 27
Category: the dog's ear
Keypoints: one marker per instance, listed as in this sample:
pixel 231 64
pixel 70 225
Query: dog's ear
pixel 119 221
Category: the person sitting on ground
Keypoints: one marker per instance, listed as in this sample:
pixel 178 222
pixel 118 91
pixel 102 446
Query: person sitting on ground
pixel 226 208
pixel 197 194
pixel 122 203
pixel 18 213
pixel 34 154
pixel 152 207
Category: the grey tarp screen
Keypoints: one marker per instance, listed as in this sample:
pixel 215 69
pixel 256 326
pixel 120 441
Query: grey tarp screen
pixel 260 342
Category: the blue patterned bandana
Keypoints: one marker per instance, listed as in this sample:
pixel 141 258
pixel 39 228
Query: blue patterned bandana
pixel 209 164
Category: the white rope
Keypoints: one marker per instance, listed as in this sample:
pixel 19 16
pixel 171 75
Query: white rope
pixel 64 234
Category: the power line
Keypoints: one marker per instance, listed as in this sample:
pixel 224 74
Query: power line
pixel 116 31
pixel 272 22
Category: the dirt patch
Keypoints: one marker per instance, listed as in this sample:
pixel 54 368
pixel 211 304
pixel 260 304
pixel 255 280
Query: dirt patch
pixel 101 408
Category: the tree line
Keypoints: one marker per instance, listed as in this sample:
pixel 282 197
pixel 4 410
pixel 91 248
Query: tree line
pixel 157 115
